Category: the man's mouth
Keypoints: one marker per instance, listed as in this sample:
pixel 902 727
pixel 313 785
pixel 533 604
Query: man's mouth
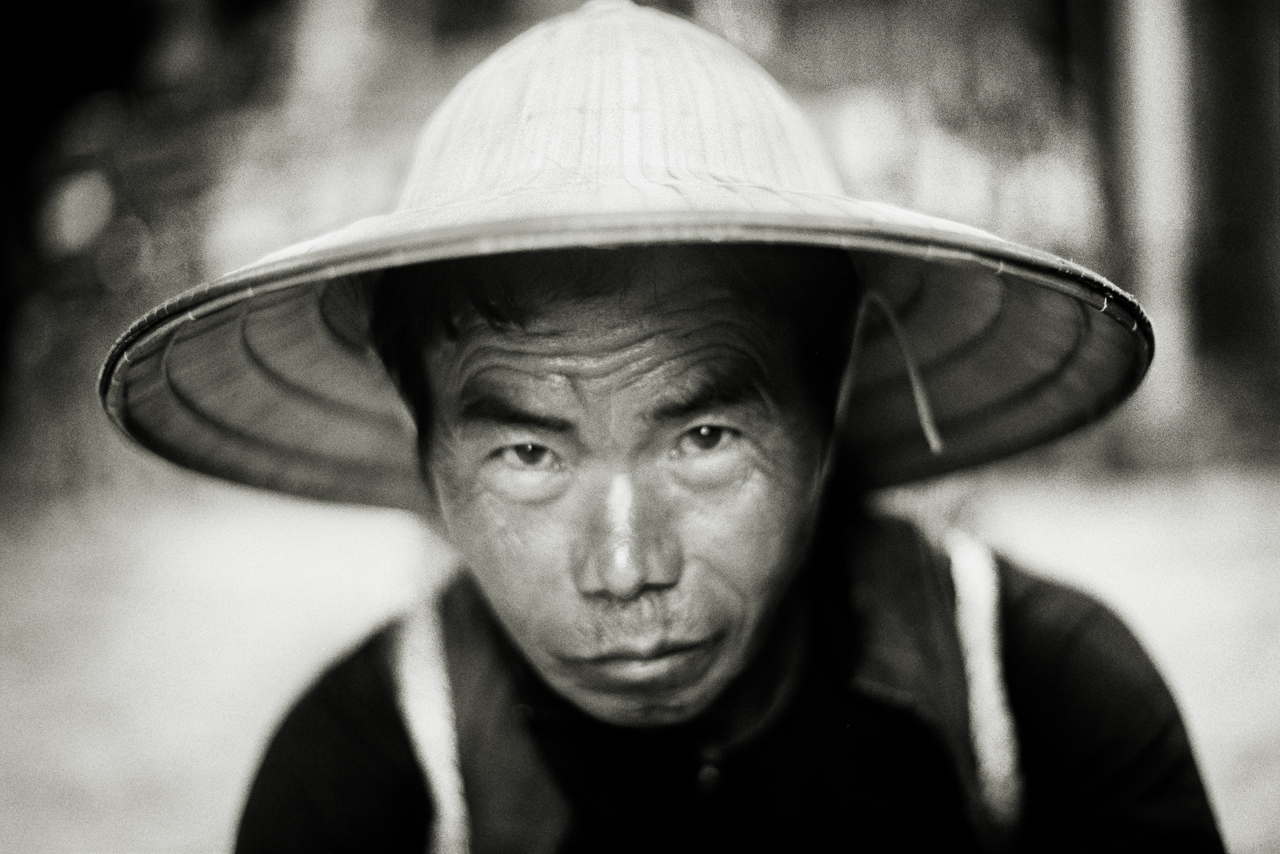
pixel 667 667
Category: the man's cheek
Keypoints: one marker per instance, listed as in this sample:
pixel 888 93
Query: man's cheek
pixel 524 550
pixel 452 479
pixel 494 532
pixel 743 534
pixel 475 515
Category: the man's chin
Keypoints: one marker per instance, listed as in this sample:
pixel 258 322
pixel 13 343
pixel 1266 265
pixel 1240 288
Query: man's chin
pixel 646 705
pixel 639 691
pixel 631 711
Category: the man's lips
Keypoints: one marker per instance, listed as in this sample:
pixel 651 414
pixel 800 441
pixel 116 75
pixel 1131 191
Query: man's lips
pixel 666 667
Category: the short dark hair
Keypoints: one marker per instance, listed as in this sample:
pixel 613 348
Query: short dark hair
pixel 810 292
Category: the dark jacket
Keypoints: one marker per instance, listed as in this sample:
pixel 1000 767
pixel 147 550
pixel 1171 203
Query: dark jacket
pixel 871 749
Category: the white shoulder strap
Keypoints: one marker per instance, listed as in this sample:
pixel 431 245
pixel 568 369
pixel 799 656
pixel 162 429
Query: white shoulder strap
pixel 995 746
pixel 422 684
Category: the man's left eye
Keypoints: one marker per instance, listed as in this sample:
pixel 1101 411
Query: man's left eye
pixel 528 456
pixel 704 438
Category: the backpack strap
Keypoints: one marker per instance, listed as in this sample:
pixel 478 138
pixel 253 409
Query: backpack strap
pixel 426 703
pixel 995 746
pixel 492 792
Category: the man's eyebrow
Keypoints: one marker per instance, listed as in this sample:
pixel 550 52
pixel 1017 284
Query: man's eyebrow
pixel 494 409
pixel 720 389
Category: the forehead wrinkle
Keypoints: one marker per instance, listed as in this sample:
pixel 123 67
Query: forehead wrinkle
pixel 548 382
pixel 758 344
pixel 605 338
pixel 588 356
pixel 678 305
pixel 495 381
pixel 463 374
pixel 723 374
pixel 728 344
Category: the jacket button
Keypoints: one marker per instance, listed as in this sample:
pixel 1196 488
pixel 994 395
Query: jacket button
pixel 708 777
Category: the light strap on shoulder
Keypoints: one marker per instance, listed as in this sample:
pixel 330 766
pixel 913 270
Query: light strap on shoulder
pixel 426 704
pixel 995 745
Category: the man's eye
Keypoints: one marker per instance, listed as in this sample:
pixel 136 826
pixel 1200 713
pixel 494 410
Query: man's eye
pixel 706 437
pixel 525 473
pixel 528 456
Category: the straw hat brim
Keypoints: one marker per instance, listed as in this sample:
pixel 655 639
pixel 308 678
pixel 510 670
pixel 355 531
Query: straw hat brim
pixel 265 376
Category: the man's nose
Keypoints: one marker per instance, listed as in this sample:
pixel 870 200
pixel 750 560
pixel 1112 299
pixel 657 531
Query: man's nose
pixel 632 549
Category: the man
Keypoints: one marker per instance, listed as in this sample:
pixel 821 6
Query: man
pixel 653 359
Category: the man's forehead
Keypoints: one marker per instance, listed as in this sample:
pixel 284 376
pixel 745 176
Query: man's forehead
pixel 627 319
pixel 693 324
pixel 667 374
pixel 653 287
pixel 630 312
pixel 671 389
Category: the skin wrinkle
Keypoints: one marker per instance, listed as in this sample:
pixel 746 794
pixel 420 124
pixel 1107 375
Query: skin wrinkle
pixel 808 295
pixel 628 529
pixel 548 397
pixel 585 360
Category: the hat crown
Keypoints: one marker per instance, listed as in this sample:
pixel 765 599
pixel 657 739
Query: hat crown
pixel 622 100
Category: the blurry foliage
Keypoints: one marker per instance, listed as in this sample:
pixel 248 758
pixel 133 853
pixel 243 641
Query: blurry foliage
pixel 117 140
pixel 993 70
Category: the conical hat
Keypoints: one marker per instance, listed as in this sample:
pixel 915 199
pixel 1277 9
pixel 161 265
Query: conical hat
pixel 612 125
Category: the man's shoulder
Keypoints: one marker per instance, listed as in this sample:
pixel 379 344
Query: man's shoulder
pixel 1047 626
pixel 340 770
pixel 1105 760
pixel 1103 748
pixel 1057 634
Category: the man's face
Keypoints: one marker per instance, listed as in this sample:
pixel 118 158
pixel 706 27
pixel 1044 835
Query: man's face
pixel 630 478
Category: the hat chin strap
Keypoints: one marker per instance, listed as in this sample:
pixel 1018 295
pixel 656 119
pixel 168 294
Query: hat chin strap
pixel 844 401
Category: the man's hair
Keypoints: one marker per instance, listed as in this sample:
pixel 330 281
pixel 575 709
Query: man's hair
pixel 809 293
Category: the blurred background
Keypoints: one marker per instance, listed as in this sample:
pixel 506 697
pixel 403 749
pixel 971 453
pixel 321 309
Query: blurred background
pixel 155 624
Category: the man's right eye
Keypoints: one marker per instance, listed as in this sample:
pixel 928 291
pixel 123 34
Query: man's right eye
pixel 526 472
pixel 528 456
